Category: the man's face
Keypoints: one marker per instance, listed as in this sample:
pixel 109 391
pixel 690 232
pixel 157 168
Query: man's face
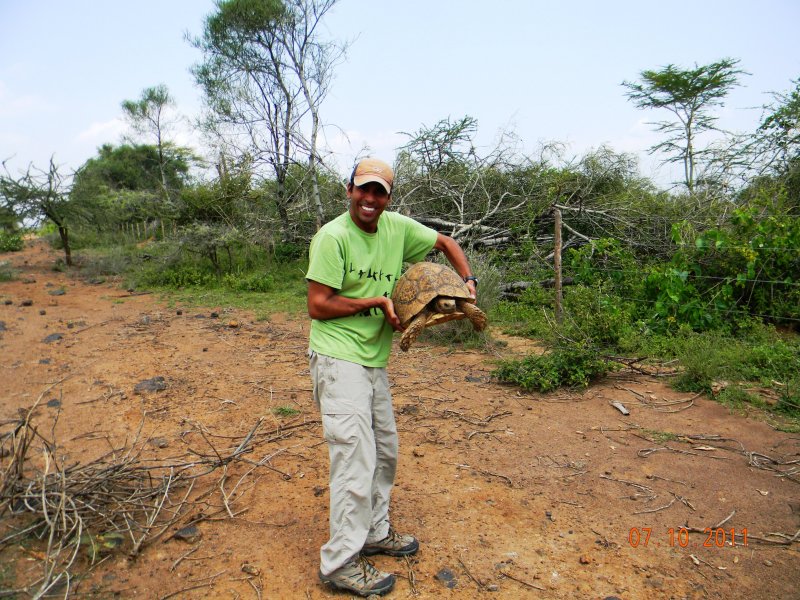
pixel 367 202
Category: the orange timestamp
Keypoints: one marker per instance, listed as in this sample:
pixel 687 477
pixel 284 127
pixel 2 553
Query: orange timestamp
pixel 715 537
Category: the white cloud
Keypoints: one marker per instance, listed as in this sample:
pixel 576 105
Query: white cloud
pixel 102 132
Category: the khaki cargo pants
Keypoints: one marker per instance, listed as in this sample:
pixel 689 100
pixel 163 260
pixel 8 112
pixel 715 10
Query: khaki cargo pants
pixel 358 424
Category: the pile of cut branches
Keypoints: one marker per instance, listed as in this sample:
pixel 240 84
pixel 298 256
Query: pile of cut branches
pixel 122 497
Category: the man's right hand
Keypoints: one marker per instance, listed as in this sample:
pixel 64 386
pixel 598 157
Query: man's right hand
pixel 391 316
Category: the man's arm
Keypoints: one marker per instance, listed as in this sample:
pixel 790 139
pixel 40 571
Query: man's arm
pixel 455 255
pixel 324 302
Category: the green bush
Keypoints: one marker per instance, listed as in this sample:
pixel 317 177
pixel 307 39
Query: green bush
pixel 10 242
pixel 176 277
pixel 570 367
pixel 253 282
pixel 6 272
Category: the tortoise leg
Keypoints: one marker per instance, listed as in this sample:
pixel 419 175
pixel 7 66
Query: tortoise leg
pixel 474 314
pixel 413 330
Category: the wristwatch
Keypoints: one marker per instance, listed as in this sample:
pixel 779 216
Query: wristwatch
pixel 471 278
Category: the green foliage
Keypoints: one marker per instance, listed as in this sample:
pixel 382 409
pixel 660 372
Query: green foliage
pixel 6 272
pixel 289 251
pixel 253 282
pixel 571 367
pixel 596 318
pixel 285 411
pixel 11 242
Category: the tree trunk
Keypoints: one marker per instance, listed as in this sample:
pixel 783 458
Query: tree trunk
pixel 64 234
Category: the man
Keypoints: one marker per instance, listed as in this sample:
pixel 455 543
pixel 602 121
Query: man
pixel 354 262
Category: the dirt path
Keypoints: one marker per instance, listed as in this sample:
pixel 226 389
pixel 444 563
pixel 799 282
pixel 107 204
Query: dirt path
pixel 515 495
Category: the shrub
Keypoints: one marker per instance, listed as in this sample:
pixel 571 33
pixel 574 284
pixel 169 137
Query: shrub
pixel 253 282
pixel 570 367
pixel 10 242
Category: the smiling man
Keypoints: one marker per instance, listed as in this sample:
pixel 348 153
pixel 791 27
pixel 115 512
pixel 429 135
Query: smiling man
pixel 354 262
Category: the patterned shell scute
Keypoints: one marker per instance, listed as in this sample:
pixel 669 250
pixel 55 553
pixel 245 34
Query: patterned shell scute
pixel 423 282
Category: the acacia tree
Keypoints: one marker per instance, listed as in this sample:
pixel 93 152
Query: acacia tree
pixel 264 71
pixel 148 116
pixel 39 194
pixel 690 95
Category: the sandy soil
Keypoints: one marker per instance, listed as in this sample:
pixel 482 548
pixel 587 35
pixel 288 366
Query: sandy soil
pixel 516 495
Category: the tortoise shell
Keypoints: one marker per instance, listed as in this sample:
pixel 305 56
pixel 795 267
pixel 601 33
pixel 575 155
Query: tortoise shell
pixel 423 282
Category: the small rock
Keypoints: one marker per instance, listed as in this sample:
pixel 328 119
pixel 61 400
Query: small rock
pixel 189 534
pixel 318 490
pixel 655 582
pixel 472 379
pixel 2 325
pixel 70 325
pixel 233 324
pixel 548 514
pixel 585 560
pixel 44 361
pixel 768 563
pixel 43 312
pixel 97 280
pixel 155 384
pixel 446 577
pixel 58 292
pixel 29 280
pixel 159 442
pixel 251 569
pixel 418 453
pixel 199 316
pixel 53 337
pixel 8 302
pixel 214 315
pixel 179 312
pixel 27 302
pixel 205 349
pixel 492 588
pixel 54 403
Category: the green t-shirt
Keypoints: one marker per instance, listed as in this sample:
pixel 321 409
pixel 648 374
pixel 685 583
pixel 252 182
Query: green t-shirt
pixel 362 265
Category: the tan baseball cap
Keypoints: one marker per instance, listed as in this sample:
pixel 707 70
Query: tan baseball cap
pixel 372 169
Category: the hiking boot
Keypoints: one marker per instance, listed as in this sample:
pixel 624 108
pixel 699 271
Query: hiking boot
pixel 360 577
pixel 394 544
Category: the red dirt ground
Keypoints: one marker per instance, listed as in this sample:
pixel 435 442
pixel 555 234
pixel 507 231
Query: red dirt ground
pixel 518 495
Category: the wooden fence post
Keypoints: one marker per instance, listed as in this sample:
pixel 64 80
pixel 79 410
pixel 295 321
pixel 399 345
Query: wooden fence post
pixel 557 263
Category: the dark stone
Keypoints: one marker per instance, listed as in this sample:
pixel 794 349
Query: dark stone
pixel 2 325
pixel 472 379
pixel 44 361
pixel 27 302
pixel 29 280
pixel 446 577
pixel 8 302
pixel 199 316
pixel 70 325
pixel 43 312
pixel 97 280
pixel 205 349
pixel 179 312
pixel 189 534
pixel 59 292
pixel 156 384
pixel 318 490
pixel 53 337
pixel 54 403
pixel 214 315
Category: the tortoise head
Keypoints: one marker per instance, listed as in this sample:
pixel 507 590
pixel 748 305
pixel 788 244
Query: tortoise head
pixel 444 305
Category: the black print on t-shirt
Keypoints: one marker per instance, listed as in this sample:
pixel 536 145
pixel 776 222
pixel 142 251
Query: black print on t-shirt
pixel 375 275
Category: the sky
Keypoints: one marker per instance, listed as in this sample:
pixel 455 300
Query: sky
pixel 546 71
